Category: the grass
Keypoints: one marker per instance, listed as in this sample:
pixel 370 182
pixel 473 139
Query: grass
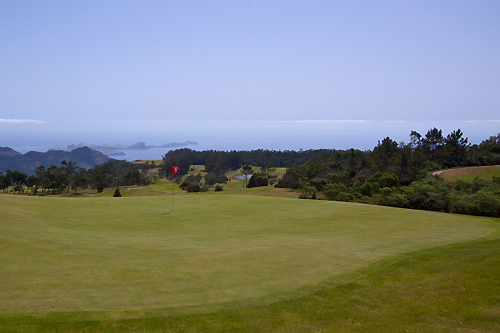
pixel 157 162
pixel 468 174
pixel 227 261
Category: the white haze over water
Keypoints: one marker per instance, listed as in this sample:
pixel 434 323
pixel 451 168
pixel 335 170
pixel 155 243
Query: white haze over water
pixel 26 135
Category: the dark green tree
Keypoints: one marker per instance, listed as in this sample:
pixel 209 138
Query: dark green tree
pixel 246 170
pixel 456 148
pixel 268 168
pixel 433 142
pixel 257 180
pixel 117 193
pixel 385 154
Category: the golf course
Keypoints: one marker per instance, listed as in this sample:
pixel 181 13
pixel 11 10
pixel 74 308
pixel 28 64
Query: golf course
pixel 241 260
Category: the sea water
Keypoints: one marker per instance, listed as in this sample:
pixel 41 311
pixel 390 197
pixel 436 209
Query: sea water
pixel 228 135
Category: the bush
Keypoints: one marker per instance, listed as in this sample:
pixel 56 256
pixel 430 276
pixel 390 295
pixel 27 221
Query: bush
pixel 366 189
pixel 388 180
pixel 335 192
pixel 190 187
pixel 257 181
pixel 392 200
pixel 18 188
pixel 218 188
pixel 486 204
pixel 385 191
pixel 117 193
pixel 344 196
pixel 461 204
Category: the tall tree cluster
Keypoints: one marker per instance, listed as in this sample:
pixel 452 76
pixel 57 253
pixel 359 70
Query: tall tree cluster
pixel 68 176
pixel 395 174
pixel 223 161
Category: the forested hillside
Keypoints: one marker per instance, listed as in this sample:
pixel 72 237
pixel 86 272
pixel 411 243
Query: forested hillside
pixel 84 157
pixel 398 174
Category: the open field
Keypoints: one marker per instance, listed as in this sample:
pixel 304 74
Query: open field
pixel 468 174
pixel 81 262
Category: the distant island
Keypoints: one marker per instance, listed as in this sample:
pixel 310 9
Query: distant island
pixel 115 149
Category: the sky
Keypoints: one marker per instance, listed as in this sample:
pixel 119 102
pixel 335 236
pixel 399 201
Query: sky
pixel 68 68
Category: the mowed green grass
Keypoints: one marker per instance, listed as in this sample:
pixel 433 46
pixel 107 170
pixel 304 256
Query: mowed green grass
pixel 106 260
pixel 468 174
pixel 453 288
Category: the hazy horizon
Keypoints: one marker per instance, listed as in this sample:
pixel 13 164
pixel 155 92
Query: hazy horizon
pixel 246 75
pixel 24 136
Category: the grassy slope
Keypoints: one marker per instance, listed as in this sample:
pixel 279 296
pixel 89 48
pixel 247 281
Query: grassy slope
pixel 447 289
pixel 468 174
pixel 220 251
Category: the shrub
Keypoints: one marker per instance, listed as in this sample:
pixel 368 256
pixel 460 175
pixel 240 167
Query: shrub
pixel 392 200
pixel 117 193
pixel 385 191
pixel 344 196
pixel 257 180
pixel 388 179
pixel 307 192
pixel 190 187
pixel 335 192
pixel 366 189
pixel 486 204
pixel 218 188
pixel 18 188
pixel 461 204
pixel 319 183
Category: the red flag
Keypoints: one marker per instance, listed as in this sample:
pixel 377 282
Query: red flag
pixel 175 169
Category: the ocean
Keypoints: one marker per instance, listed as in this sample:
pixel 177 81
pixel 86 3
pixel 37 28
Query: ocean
pixel 24 136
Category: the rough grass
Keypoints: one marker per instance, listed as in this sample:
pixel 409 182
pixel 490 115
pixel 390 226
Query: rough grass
pixel 468 174
pixel 241 262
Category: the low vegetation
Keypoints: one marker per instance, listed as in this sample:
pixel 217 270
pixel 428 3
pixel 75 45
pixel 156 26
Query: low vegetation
pixel 237 262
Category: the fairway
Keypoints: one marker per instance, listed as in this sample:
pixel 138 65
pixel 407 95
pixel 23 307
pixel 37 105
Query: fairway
pixel 469 173
pixel 120 255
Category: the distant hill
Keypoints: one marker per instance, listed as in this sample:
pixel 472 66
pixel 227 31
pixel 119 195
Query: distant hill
pixel 116 149
pixel 6 151
pixel 84 157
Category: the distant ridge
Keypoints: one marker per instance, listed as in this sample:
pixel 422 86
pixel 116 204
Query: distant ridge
pixel 6 151
pixel 84 157
pixel 116 149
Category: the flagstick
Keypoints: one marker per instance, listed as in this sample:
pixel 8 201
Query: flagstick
pixel 175 169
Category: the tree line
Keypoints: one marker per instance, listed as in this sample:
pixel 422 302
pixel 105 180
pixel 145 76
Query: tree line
pixel 223 161
pixel 68 176
pixel 396 174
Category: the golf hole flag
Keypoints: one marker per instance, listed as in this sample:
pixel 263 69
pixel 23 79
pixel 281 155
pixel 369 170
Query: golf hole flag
pixel 175 169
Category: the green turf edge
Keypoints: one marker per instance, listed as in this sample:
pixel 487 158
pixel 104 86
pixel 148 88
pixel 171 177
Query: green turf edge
pixel 449 288
pixel 468 174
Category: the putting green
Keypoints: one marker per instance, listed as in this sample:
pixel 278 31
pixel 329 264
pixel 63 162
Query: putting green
pixel 131 254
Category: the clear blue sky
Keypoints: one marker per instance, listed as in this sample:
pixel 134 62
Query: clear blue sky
pixel 256 60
